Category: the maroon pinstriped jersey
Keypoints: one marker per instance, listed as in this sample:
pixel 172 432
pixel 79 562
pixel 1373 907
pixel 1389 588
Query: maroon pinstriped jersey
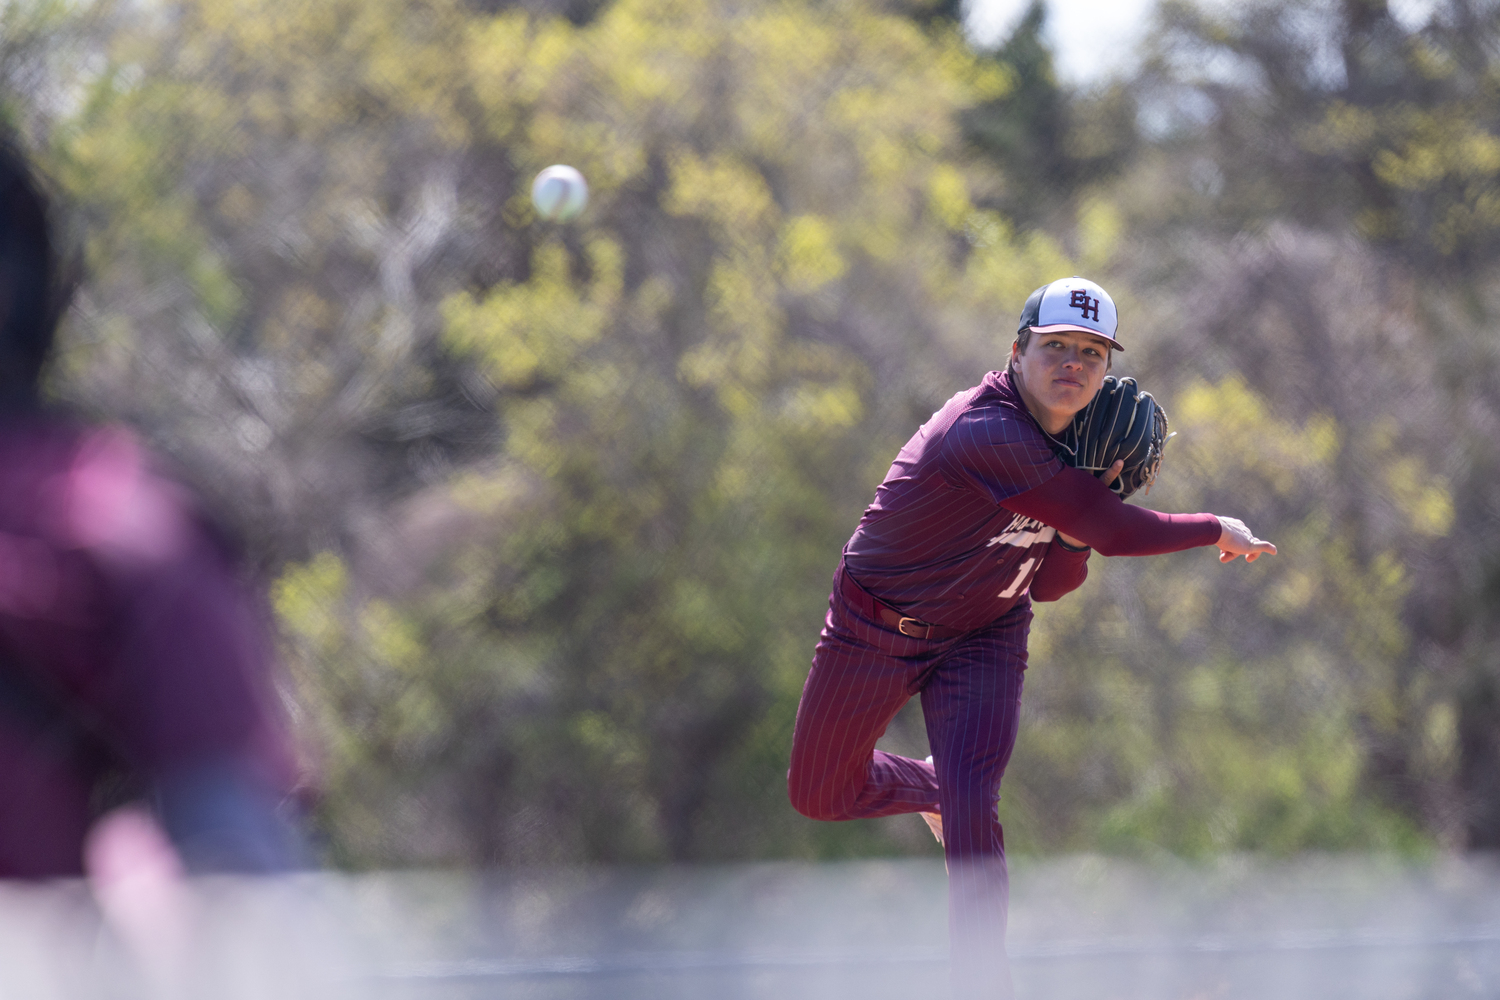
pixel 936 543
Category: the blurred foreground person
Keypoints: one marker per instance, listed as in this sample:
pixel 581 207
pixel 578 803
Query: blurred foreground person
pixel 134 665
pixel 977 517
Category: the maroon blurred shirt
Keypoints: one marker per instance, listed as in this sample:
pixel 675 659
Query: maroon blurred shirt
pixel 119 608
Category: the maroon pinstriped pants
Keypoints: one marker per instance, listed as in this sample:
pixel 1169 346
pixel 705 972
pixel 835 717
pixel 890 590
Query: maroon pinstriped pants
pixel 862 673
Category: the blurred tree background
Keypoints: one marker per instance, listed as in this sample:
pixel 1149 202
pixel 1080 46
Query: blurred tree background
pixel 547 513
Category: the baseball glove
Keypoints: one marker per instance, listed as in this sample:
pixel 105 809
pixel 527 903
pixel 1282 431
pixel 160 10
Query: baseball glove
pixel 1121 423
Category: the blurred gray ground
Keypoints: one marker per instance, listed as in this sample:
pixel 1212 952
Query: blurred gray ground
pixel 1084 927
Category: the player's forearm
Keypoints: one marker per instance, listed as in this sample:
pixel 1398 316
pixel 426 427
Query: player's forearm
pixel 1079 505
pixel 1063 571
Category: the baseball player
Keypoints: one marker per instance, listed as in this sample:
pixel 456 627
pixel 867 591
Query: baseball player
pixel 976 518
pixel 134 664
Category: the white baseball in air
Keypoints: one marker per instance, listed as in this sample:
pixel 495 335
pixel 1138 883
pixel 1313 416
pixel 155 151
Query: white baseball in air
pixel 559 193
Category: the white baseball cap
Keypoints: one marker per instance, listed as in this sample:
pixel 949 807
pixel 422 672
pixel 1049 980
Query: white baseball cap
pixel 1071 304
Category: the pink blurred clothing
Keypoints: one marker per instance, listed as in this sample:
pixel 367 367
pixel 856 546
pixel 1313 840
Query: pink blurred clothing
pixel 132 656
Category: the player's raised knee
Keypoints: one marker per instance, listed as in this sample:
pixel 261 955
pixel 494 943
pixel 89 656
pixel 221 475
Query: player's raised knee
pixel 815 800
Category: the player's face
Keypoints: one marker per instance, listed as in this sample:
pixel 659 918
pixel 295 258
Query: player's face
pixel 1060 374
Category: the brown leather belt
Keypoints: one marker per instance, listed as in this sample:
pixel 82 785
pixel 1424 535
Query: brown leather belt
pixel 873 607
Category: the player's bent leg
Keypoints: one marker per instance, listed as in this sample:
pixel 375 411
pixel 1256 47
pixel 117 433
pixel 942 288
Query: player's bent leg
pixel 854 689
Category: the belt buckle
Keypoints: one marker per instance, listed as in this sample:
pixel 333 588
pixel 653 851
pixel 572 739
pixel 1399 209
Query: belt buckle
pixel 915 623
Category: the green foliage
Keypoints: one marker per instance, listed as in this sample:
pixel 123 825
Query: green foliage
pixel 552 510
pixel 37 36
pixel 680 389
pixel 1314 214
pixel 1204 708
pixel 1050 143
pixel 689 387
pixel 1345 116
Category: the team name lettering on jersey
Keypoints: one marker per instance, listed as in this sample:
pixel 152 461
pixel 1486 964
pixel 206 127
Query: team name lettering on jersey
pixel 1023 532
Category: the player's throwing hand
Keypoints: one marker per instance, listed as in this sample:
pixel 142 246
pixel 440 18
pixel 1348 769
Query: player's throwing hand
pixel 1238 540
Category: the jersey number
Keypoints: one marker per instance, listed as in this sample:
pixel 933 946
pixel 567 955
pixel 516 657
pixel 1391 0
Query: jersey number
pixel 1021 572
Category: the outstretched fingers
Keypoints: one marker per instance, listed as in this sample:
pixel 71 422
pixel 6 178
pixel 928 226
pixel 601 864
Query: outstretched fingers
pixel 1261 548
pixel 1265 548
pixel 1237 540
